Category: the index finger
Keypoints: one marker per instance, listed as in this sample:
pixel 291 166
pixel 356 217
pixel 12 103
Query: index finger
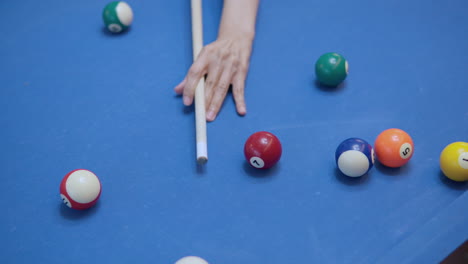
pixel 194 75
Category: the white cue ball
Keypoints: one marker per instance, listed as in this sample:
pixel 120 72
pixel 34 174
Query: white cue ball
pixel 191 260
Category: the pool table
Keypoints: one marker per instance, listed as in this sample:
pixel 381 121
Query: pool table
pixel 73 96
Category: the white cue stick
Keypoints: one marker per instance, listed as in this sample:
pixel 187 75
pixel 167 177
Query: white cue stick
pixel 200 115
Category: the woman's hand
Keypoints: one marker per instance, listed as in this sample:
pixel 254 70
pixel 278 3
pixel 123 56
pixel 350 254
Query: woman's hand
pixel 225 62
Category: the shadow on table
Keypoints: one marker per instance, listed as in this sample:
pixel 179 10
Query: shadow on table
pixel 201 169
pixel 185 109
pixel 262 175
pixel 107 33
pixel 72 214
pixel 188 109
pixel 403 170
pixel 327 88
pixel 351 181
pixel 452 184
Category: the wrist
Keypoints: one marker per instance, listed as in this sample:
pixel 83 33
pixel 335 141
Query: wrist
pixel 234 31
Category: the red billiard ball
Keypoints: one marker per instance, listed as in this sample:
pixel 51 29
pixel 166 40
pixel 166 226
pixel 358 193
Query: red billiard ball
pixel 80 189
pixel 262 150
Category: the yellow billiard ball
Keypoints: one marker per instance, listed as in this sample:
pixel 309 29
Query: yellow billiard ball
pixel 454 161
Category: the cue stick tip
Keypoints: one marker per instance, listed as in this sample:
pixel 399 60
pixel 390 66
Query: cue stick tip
pixel 202 160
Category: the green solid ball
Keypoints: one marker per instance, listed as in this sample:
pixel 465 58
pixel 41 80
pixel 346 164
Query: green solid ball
pixel 117 16
pixel 331 69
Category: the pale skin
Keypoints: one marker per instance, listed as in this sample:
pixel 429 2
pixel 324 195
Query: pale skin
pixel 225 61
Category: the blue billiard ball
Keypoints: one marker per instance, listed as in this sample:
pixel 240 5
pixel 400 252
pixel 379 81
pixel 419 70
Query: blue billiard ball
pixel 354 157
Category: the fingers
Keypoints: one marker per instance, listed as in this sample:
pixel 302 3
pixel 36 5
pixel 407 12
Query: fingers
pixel 179 89
pixel 238 93
pixel 225 62
pixel 219 94
pixel 211 81
pixel 194 75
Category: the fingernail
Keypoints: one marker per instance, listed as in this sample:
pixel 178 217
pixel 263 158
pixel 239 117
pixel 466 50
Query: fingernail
pixel 243 110
pixel 210 115
pixel 187 100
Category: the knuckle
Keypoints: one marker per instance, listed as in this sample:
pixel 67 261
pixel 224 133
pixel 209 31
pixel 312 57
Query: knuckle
pixel 195 70
pixel 239 88
pixel 236 64
pixel 209 83
pixel 223 85
pixel 243 67
pixel 224 54
pixel 188 92
pixel 215 104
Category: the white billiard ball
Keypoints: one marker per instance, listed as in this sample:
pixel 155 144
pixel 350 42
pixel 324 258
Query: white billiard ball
pixel 191 260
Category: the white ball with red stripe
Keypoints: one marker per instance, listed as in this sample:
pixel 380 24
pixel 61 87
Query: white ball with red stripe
pixel 80 189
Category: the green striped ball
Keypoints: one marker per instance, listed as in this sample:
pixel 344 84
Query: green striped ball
pixel 117 16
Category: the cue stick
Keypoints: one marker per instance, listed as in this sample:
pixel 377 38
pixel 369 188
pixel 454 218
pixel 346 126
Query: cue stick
pixel 200 114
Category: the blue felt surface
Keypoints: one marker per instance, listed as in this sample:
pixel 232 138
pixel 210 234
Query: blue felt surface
pixel 73 96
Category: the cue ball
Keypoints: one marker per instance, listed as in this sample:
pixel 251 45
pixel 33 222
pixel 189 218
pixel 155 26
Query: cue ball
pixel 191 260
pixel 262 150
pixel 394 147
pixel 454 161
pixel 80 189
pixel 117 16
pixel 331 69
pixel 354 157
